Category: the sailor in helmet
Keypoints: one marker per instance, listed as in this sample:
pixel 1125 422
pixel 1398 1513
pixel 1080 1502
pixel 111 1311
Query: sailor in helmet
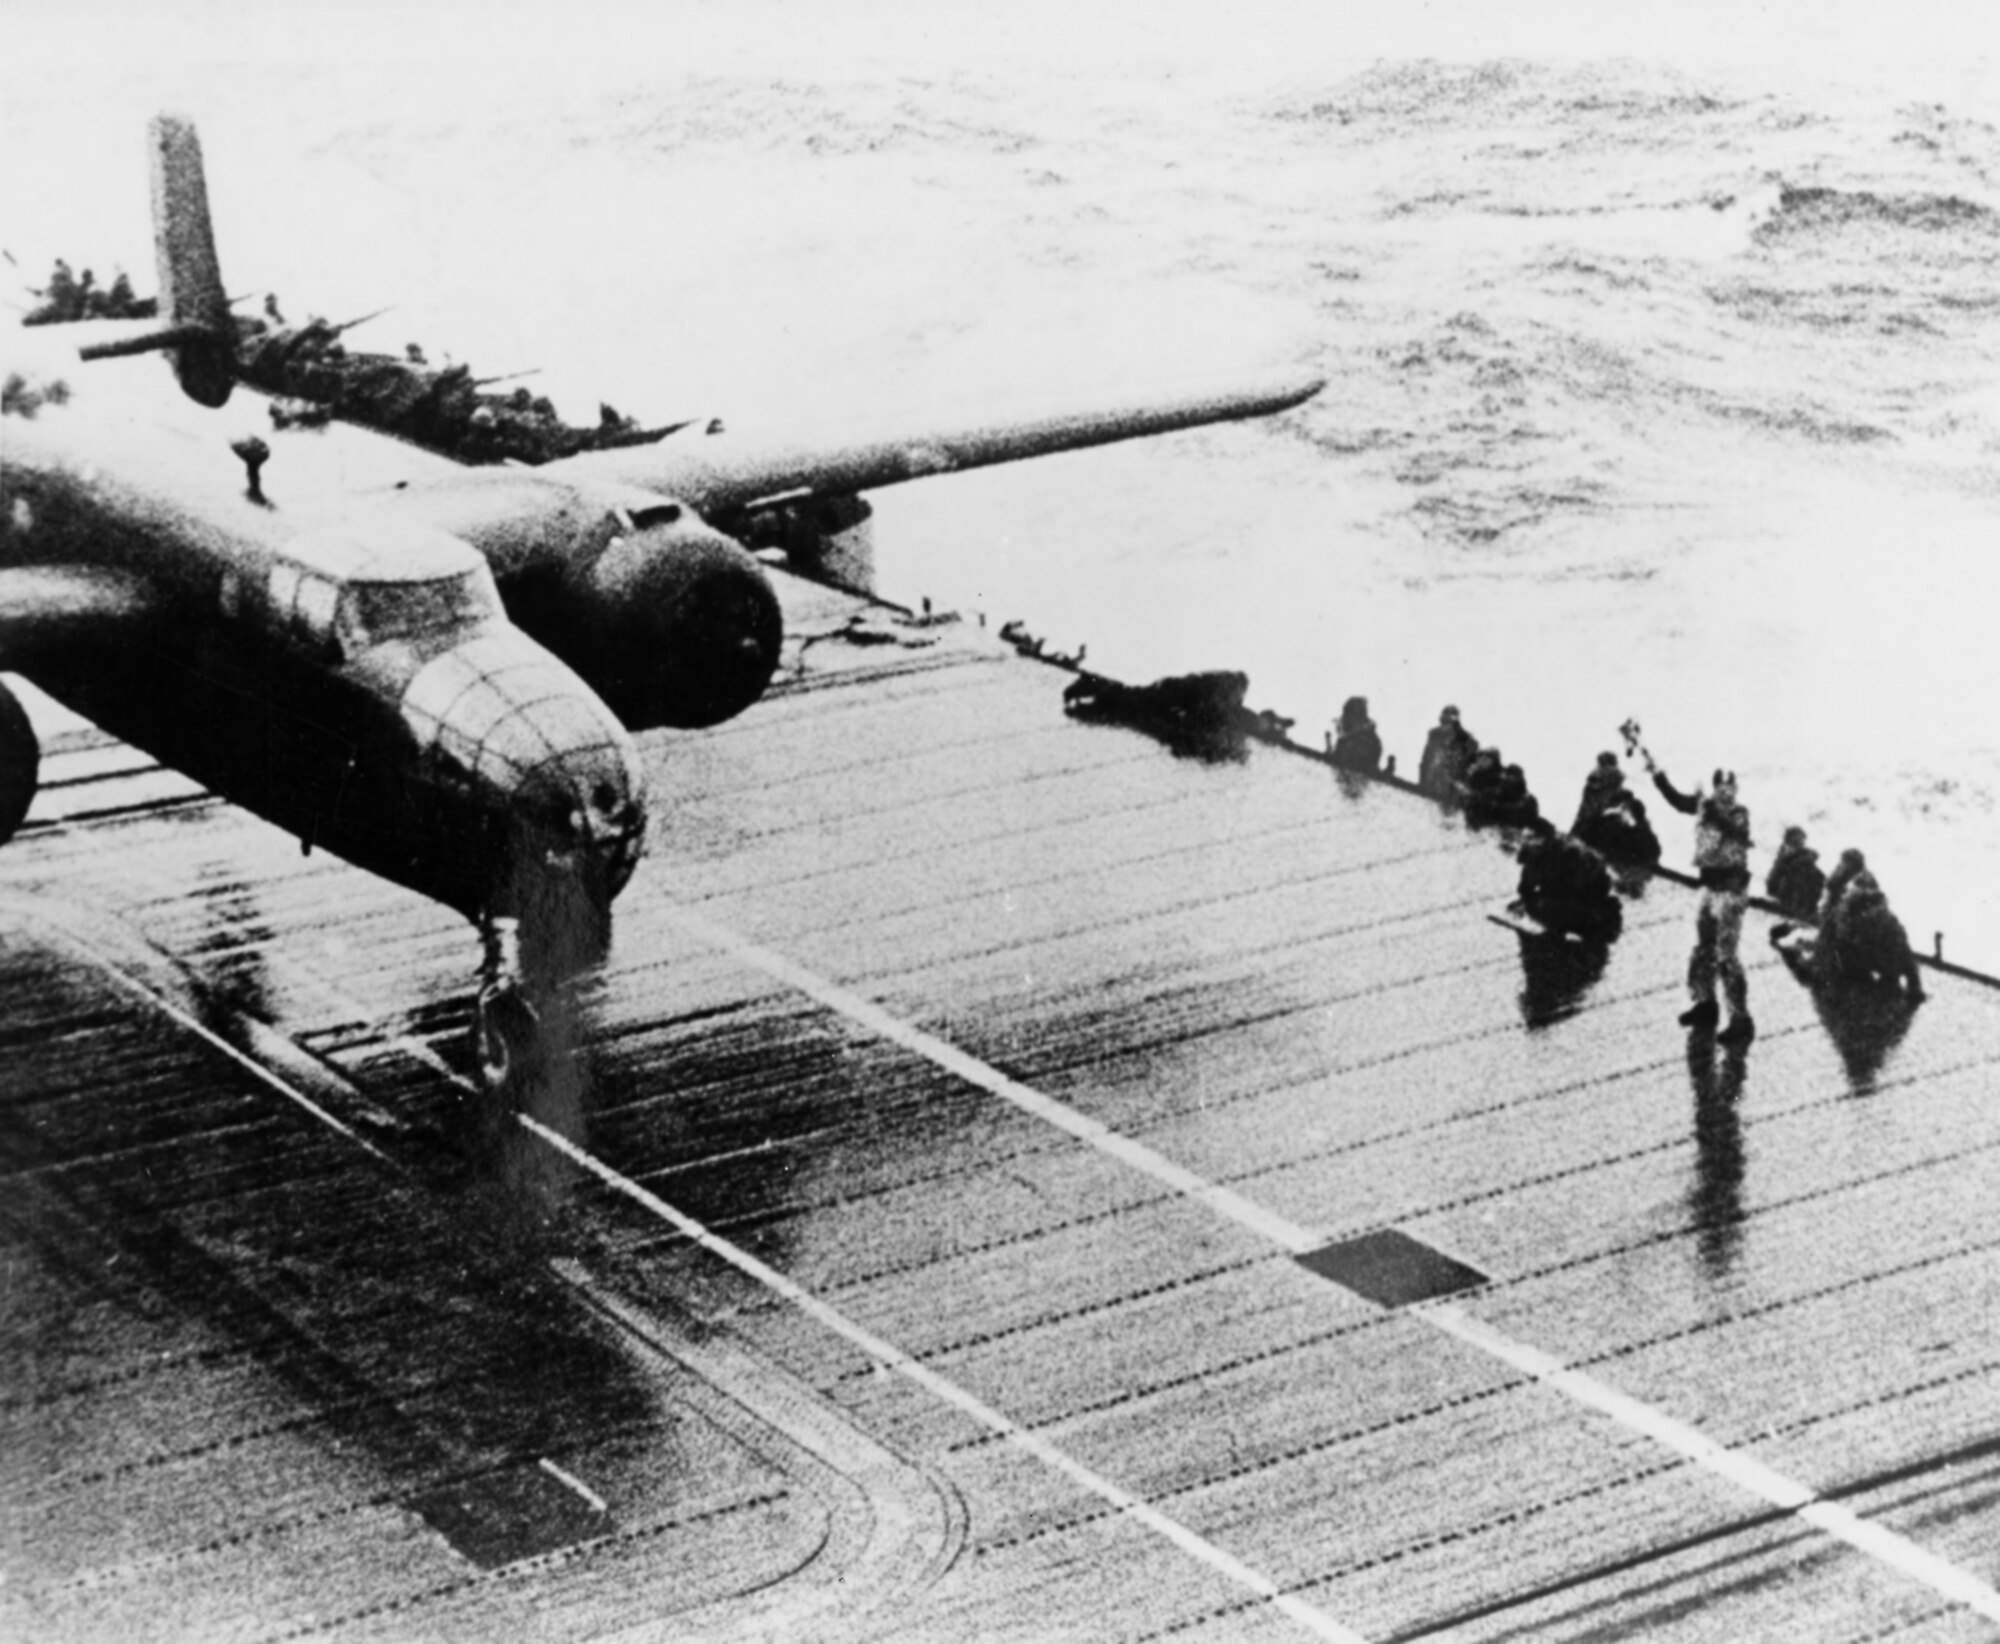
pixel 1447 753
pixel 1722 860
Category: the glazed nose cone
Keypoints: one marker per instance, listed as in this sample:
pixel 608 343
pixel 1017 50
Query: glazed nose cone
pixel 506 716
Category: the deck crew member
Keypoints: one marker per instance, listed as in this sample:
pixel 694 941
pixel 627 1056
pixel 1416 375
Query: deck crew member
pixel 1354 744
pixel 1448 751
pixel 1565 885
pixel 1722 860
pixel 63 293
pixel 1603 787
pixel 1796 880
pixel 1479 782
pixel 1518 807
pixel 1621 831
pixel 1852 865
pixel 1860 939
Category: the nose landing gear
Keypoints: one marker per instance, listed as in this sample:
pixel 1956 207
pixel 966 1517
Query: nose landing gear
pixel 506 1031
pixel 530 1044
pixel 506 1026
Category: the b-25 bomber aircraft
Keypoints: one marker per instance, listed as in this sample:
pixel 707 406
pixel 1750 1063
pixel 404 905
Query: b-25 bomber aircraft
pixel 431 670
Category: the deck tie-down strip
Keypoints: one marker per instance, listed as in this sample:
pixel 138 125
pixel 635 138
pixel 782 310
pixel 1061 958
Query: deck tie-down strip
pixel 1737 1467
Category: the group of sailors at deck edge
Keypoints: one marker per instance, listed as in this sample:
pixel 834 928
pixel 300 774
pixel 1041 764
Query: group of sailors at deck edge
pixel 69 296
pixel 1838 927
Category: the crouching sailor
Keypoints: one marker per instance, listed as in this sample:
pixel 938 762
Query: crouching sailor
pixel 1722 861
pixel 1858 940
pixel 1565 886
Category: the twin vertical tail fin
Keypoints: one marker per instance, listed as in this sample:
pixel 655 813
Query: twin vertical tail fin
pixel 192 301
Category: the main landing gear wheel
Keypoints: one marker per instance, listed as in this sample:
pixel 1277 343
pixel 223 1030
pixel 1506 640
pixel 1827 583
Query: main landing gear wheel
pixel 505 1031
pixel 20 763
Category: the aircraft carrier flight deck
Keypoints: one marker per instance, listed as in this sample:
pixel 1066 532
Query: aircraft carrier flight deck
pixel 1011 1182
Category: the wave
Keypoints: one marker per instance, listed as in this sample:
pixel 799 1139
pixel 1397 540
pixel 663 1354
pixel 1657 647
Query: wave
pixel 1831 306
pixel 1544 96
pixel 1475 511
pixel 1401 94
pixel 1810 210
pixel 725 115
pixel 1969 423
pixel 1814 423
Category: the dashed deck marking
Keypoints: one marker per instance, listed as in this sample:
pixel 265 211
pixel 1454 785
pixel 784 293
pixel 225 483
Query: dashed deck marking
pixel 591 1498
pixel 1740 1469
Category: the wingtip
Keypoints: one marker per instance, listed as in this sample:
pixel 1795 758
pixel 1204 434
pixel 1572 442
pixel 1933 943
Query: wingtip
pixel 1304 388
pixel 1283 390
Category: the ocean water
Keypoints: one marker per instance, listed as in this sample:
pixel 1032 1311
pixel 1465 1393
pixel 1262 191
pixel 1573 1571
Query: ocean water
pixel 1656 389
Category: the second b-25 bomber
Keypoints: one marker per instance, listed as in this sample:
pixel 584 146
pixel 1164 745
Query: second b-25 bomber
pixel 430 669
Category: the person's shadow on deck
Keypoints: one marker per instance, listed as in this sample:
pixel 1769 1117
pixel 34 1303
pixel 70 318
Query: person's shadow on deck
pixel 1864 1021
pixel 1555 975
pixel 1715 1199
pixel 1865 1024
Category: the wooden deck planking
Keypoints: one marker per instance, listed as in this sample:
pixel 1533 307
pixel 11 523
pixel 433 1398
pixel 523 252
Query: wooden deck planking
pixel 1267 979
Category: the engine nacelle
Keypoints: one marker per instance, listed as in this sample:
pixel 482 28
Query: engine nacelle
pixel 828 538
pixel 20 763
pixel 669 621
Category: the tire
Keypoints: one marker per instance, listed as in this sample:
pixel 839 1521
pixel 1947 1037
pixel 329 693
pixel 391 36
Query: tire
pixel 506 1032
pixel 20 763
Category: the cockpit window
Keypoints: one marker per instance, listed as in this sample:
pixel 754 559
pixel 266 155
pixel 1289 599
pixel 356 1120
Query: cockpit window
pixel 303 603
pixel 317 602
pixel 375 611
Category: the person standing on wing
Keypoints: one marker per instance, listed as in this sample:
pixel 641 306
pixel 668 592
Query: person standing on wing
pixel 1722 860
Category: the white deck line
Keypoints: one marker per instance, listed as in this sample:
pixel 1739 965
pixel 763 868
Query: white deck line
pixel 1736 1466
pixel 1883 1545
pixel 1306 1615
pixel 894 1358
pixel 166 1007
pixel 589 1497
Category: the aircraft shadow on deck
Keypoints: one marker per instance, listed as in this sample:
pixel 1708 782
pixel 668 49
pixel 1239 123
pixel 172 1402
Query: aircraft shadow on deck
pixel 435 1347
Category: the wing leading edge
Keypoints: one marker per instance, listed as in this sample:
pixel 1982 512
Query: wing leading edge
pixel 723 474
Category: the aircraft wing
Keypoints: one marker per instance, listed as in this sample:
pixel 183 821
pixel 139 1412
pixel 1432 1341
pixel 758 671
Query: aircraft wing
pixel 54 613
pixel 725 474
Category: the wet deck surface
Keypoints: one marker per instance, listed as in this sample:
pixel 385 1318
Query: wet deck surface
pixel 1020 1184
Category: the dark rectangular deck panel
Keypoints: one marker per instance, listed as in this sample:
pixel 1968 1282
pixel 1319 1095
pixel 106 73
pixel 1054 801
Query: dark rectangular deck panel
pixel 1391 1269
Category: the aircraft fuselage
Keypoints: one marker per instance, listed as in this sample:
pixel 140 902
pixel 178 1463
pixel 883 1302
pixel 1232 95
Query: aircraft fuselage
pixel 355 682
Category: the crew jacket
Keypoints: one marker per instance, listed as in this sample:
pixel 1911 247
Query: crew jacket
pixel 1721 836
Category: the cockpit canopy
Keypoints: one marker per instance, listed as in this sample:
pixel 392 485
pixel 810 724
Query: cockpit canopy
pixel 376 611
pixel 343 590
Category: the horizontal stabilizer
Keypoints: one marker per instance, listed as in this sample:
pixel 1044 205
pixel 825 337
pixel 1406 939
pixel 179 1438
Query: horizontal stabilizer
pixel 143 342
pixel 721 474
